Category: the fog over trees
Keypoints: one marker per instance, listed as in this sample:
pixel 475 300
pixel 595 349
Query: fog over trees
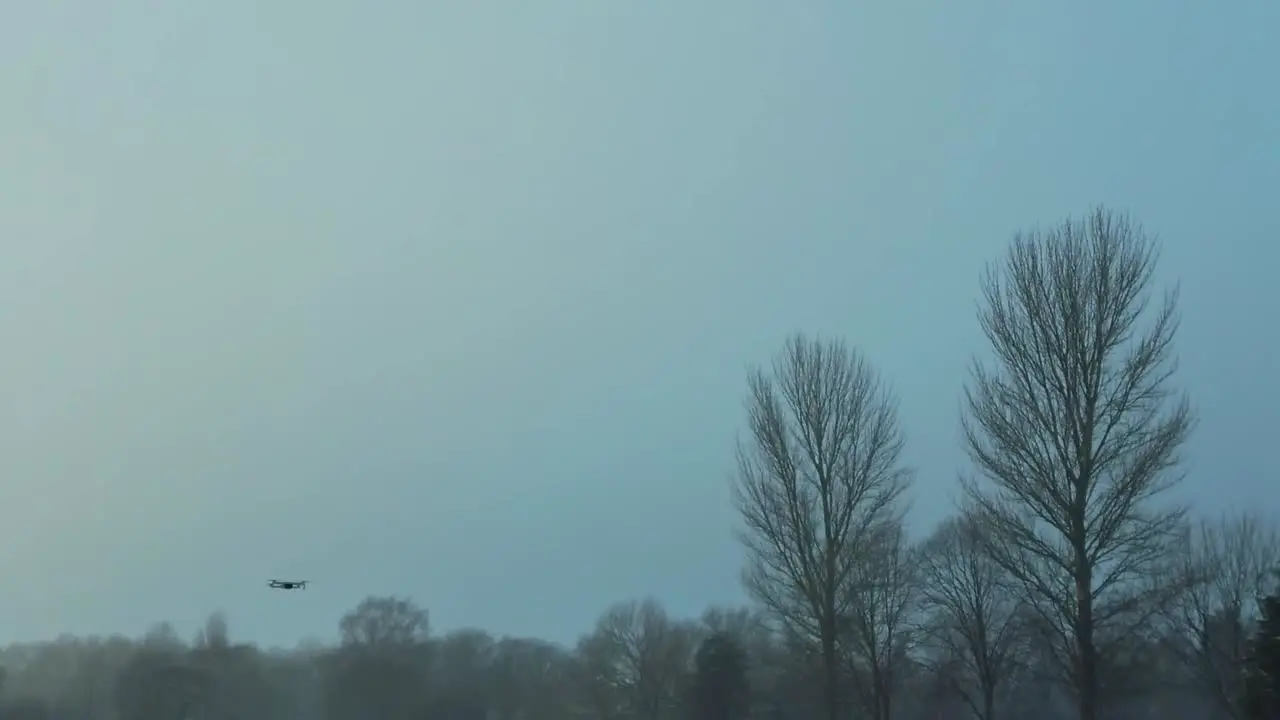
pixel 1068 584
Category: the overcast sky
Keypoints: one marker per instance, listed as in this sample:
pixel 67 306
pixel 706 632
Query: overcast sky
pixel 456 300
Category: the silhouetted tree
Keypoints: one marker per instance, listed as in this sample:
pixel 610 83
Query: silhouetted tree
pixel 381 667
pixel 720 687
pixel 161 684
pixel 820 477
pixel 636 661
pixel 463 663
pixel 531 680
pixel 1077 432
pixel 235 674
pixel 971 620
pixel 1262 682
pixel 385 622
pixel 878 624
pixel 1234 559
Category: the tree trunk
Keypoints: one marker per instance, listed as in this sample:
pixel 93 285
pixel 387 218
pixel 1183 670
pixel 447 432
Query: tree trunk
pixel 1087 672
pixel 831 677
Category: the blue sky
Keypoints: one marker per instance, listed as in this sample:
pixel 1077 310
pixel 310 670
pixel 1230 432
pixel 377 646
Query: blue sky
pixel 456 300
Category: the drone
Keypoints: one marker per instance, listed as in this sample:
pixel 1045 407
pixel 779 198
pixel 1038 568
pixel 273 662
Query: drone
pixel 287 584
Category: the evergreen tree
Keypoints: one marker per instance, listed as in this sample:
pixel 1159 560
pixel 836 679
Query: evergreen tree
pixel 720 687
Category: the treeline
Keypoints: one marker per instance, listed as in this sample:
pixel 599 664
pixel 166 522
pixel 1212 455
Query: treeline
pixel 1068 584
pixel 637 662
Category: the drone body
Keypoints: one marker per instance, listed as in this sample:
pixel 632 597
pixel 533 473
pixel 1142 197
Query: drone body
pixel 287 584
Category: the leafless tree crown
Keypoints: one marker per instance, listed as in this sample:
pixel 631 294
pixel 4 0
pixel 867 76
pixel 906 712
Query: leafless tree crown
pixel 877 631
pixel 382 621
pixel 1076 429
pixel 820 473
pixel 1235 558
pixel 971 622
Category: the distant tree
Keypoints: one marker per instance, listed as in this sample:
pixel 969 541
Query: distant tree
pixel 636 661
pixel 819 477
pixel 163 637
pixel 1262 680
pixel 381 667
pixel 214 634
pixel 1077 433
pixel 751 630
pixel 972 616
pixel 462 681
pixel 385 622
pixel 720 687
pixel 878 624
pixel 296 678
pixel 235 674
pixel 161 684
pixel 531 680
pixel 1234 559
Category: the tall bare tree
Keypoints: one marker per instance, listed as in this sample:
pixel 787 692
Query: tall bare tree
pixel 878 629
pixel 1077 432
pixel 972 618
pixel 1235 558
pixel 819 476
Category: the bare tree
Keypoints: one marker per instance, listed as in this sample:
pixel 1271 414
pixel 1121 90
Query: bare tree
pixel 381 667
pixel 878 628
pixel 462 664
pixel 384 621
pixel 530 680
pixel 637 661
pixel 1235 557
pixel 973 616
pixel 818 478
pixel 1077 433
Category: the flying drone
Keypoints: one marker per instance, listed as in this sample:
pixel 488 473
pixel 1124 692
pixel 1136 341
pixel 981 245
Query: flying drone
pixel 287 584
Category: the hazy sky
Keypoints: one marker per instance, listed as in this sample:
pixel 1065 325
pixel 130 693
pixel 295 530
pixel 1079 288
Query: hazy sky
pixel 456 300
